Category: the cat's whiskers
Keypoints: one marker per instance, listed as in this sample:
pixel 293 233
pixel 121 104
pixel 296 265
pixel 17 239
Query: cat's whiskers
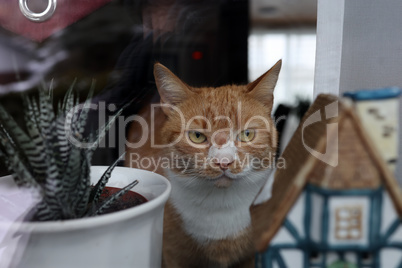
pixel 248 179
pixel 190 181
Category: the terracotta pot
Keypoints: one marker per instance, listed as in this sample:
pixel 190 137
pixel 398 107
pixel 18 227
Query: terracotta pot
pixel 127 238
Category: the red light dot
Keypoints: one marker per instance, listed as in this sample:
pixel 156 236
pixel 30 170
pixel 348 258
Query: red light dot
pixel 197 55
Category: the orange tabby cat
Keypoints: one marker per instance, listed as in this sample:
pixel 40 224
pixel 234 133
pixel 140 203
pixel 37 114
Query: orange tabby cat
pixel 220 144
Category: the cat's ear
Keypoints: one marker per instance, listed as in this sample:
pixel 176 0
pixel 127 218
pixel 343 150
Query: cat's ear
pixel 262 88
pixel 171 89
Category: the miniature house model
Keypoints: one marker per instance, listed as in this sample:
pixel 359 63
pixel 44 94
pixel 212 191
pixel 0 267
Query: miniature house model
pixel 336 204
pixel 378 111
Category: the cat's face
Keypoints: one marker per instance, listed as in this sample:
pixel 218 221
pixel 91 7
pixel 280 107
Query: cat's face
pixel 219 135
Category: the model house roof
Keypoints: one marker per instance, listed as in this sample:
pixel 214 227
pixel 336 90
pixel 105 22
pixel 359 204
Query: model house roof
pixel 374 94
pixel 329 149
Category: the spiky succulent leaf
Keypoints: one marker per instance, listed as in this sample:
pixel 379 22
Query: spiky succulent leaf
pixel 72 173
pixel 68 101
pixel 63 145
pixel 29 114
pixel 3 157
pixel 102 132
pixel 44 157
pixel 11 129
pixel 98 188
pixel 35 109
pixel 23 175
pixel 83 187
pixel 18 146
pixel 43 212
pixel 54 189
pixel 111 199
pixel 79 126
pixel 38 162
pixel 46 114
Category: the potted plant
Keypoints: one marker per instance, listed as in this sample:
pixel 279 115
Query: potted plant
pixel 56 189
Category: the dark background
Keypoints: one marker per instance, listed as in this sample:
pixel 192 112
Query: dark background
pixel 115 47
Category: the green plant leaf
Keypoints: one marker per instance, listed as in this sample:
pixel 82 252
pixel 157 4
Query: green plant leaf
pixel 38 161
pixel 105 128
pixel 100 185
pixel 80 202
pixel 68 101
pixel 23 176
pixel 43 157
pixel 46 116
pixel 43 212
pixel 72 174
pixel 81 121
pixel 16 141
pixel 110 200
pixel 63 146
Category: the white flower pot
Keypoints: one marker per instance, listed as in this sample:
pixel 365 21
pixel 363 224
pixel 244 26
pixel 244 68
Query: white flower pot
pixel 128 238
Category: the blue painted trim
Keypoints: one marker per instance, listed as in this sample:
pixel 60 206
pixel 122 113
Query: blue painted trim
pixel 324 259
pixel 259 262
pixel 359 260
pixel 371 219
pixel 320 247
pixel 374 219
pixel 284 246
pixel 305 244
pixel 376 261
pixel 353 192
pixel 344 247
pixel 374 94
pixel 273 255
pixel 306 258
pixel 279 260
pixel 391 230
pixel 307 215
pixel 397 245
pixel 267 259
pixel 378 216
pixel 292 230
pixel 356 248
pixel 325 222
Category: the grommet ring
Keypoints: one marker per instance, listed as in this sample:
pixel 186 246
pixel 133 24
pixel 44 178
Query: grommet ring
pixel 38 17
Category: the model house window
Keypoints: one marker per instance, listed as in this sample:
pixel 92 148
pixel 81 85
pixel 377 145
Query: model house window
pixel 348 223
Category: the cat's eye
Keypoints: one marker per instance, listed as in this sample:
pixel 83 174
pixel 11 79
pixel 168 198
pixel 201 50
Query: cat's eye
pixel 197 137
pixel 246 135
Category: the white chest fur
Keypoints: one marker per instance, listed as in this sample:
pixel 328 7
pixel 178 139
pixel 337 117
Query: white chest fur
pixel 211 213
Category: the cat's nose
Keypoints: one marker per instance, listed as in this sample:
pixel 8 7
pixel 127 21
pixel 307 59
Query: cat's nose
pixel 220 138
pixel 223 163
